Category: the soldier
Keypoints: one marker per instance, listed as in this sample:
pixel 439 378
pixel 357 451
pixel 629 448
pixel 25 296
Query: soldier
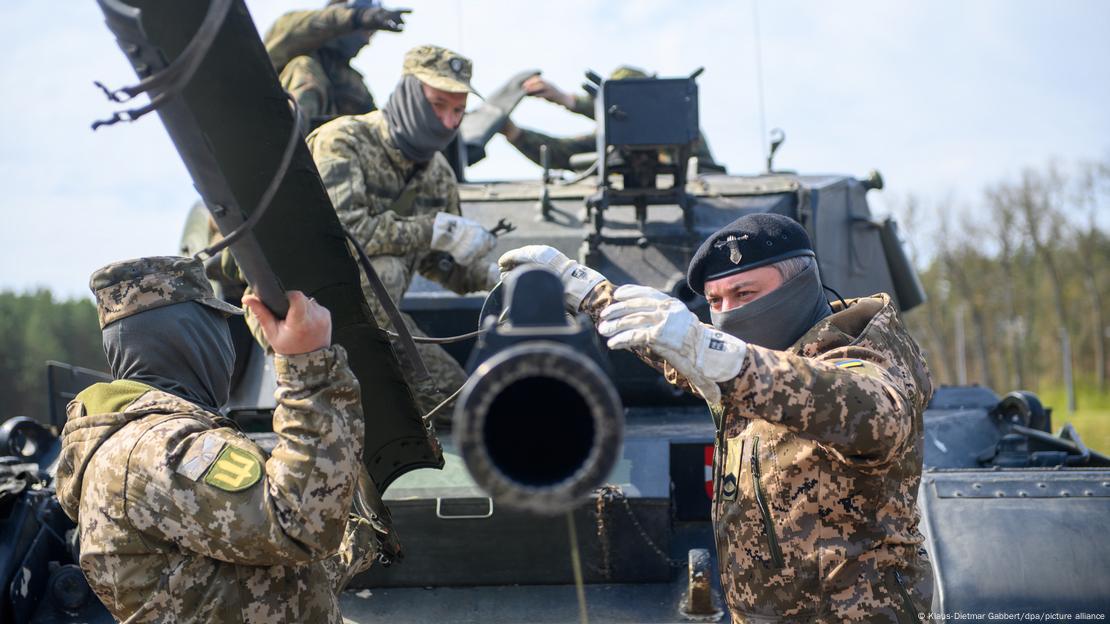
pixel 312 53
pixel 396 194
pixel 182 515
pixel 819 421
pixel 559 151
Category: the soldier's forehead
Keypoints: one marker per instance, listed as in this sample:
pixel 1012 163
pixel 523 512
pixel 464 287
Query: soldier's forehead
pixel 756 276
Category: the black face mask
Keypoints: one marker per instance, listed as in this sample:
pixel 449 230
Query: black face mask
pixel 412 121
pixel 184 349
pixel 778 319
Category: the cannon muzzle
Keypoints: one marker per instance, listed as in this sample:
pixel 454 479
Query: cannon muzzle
pixel 539 424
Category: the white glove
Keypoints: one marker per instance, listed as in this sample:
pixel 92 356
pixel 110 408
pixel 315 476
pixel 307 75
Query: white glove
pixel 578 279
pixel 465 239
pixel 493 275
pixel 644 317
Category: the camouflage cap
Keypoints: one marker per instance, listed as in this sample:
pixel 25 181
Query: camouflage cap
pixel 439 68
pixel 128 287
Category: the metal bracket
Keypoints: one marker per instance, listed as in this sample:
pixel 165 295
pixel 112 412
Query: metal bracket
pixel 1047 487
pixel 443 516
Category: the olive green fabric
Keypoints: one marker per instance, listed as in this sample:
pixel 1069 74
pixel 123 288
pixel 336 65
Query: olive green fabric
pixel 106 398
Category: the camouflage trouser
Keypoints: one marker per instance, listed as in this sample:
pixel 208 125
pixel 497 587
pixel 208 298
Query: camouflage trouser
pixel 445 374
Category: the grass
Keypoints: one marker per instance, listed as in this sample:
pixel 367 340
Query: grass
pixel 1091 419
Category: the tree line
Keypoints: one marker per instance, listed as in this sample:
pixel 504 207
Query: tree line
pixel 1017 283
pixel 35 328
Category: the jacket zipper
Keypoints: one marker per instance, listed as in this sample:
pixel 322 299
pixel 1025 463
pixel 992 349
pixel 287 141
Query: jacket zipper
pixel 764 510
pixel 908 610
pixel 715 513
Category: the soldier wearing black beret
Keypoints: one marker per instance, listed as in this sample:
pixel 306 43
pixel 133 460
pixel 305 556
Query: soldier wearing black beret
pixel 818 409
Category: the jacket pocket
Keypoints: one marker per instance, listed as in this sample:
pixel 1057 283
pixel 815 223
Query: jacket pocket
pixel 765 508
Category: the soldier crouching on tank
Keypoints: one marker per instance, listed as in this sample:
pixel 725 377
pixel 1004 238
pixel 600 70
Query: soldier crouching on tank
pixel 181 516
pixel 819 421
pixel 395 193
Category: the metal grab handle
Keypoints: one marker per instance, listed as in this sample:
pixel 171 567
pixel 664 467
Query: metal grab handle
pixel 442 516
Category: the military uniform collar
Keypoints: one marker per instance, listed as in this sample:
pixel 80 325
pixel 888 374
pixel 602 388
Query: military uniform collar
pixel 158 401
pixel 845 325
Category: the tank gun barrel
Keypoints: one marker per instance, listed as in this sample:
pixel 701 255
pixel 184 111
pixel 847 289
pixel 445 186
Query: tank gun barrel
pixel 539 424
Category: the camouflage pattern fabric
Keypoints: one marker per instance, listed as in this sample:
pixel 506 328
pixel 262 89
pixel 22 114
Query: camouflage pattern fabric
pixel 183 518
pixel 322 85
pixel 389 203
pixel 445 374
pixel 816 471
pixel 128 287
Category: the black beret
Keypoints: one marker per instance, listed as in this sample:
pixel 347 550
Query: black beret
pixel 751 241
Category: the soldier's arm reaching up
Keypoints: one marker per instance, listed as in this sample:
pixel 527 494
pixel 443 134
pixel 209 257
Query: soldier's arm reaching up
pixel 302 32
pixel 213 491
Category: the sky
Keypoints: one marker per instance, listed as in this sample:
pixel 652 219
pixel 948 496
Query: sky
pixel 943 97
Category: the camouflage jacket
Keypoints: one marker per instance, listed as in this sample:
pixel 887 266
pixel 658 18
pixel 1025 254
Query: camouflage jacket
pixel 323 86
pixel 184 519
pixel 389 203
pixel 816 471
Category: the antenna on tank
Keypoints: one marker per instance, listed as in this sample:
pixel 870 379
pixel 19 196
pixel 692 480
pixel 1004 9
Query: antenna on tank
pixel 459 22
pixel 759 77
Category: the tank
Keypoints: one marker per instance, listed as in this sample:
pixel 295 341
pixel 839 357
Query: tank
pixel 581 489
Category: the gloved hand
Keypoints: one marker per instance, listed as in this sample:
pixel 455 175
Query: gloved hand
pixel 493 276
pixel 465 239
pixel 578 279
pixel 381 18
pixel 644 317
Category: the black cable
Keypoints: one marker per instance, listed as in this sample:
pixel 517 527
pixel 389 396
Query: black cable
pixel 177 74
pixel 842 302
pixel 268 195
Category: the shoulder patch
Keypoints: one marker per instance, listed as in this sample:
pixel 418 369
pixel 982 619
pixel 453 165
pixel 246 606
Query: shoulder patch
pixel 849 363
pixel 234 470
pixel 200 457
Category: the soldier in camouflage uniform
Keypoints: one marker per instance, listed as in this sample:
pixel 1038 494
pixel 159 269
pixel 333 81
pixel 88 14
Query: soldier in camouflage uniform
pixel 559 150
pixel 819 422
pixel 396 194
pixel 312 53
pixel 182 517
